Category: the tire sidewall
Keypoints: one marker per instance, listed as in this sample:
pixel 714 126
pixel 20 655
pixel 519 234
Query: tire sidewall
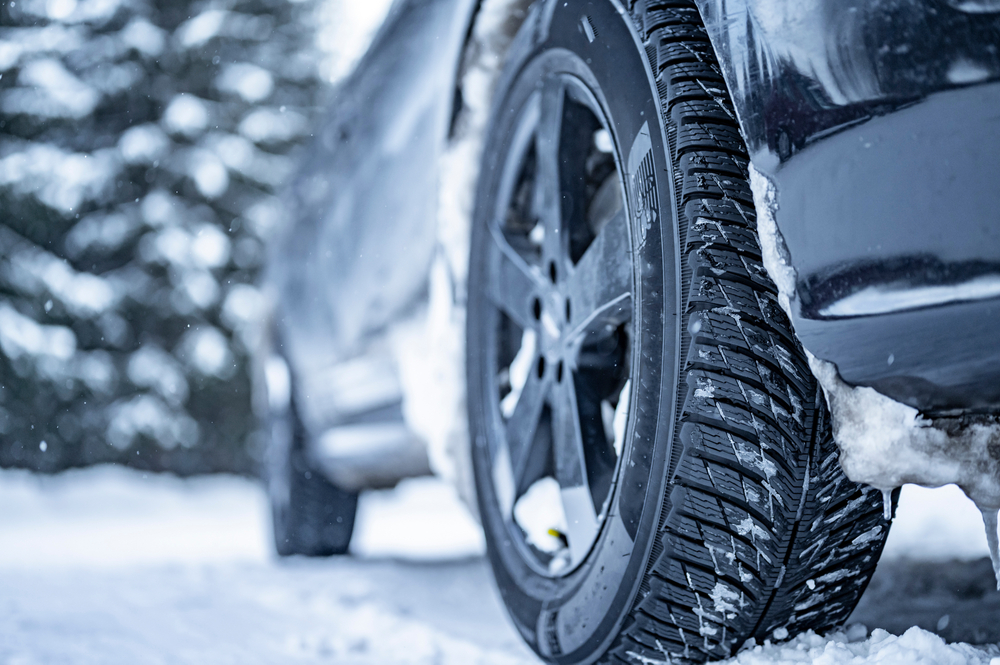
pixel 576 618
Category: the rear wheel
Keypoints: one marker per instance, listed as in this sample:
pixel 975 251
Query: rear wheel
pixel 655 470
pixel 310 515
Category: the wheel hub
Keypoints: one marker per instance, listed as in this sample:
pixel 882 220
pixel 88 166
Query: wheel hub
pixel 563 287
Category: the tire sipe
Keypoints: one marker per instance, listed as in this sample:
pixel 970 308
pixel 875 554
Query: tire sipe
pixel 656 474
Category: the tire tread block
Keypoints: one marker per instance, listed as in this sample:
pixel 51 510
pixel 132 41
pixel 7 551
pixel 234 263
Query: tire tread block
pixel 707 184
pixel 761 528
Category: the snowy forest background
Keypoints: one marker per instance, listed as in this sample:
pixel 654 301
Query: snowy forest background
pixel 144 145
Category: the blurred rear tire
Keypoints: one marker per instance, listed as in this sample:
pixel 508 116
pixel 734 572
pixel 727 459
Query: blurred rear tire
pixel 310 515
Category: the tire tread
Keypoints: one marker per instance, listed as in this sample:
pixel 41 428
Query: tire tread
pixel 760 514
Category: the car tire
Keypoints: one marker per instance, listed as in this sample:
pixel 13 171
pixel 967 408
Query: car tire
pixel 310 515
pixel 654 463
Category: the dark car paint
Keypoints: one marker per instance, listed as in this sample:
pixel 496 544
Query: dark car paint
pixel 885 170
pixel 878 123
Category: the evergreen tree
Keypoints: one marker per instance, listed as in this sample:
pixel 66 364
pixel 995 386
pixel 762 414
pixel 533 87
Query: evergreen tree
pixel 142 144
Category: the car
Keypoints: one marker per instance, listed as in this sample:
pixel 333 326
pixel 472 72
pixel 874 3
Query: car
pixel 677 292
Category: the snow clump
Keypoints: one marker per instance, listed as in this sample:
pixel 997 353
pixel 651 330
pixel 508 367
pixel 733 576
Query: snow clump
pixel 914 647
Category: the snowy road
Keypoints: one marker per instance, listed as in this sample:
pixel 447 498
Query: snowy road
pixel 108 566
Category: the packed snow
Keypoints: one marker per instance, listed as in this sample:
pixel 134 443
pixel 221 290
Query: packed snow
pixel 914 647
pixel 110 565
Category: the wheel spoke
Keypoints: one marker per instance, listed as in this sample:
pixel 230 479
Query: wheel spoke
pixel 516 284
pixel 522 425
pixel 571 472
pixel 548 194
pixel 600 287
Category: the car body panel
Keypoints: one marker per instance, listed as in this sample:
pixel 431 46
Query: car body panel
pixel 878 124
pixel 355 253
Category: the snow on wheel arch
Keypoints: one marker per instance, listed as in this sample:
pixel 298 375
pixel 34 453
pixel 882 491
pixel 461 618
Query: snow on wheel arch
pixel 882 442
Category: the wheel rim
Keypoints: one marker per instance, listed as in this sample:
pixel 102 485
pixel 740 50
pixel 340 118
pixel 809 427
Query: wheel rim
pixel 562 285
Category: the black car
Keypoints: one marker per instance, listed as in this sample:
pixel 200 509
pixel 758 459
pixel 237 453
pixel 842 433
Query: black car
pixel 688 248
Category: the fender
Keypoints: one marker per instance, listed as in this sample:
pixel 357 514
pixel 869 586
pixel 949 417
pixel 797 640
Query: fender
pixel 359 213
pixel 876 124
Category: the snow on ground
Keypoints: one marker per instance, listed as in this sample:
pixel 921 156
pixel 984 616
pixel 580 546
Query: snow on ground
pixel 936 525
pixel 914 647
pixel 421 519
pixel 112 566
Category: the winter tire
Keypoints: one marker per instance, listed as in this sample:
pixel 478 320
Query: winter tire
pixel 310 515
pixel 655 470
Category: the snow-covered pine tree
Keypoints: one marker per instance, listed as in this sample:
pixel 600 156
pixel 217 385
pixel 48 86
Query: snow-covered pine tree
pixel 142 143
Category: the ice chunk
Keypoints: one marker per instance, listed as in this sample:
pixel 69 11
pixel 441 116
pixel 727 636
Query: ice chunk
pixel 775 254
pixel 885 444
pixel 887 504
pixel 990 520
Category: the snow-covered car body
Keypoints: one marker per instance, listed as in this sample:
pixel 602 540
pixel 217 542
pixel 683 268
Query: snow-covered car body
pixel 875 142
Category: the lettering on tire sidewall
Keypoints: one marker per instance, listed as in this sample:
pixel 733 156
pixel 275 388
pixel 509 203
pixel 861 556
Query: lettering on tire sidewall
pixel 641 180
